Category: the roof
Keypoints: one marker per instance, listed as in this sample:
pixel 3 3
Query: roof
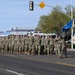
pixel 13 33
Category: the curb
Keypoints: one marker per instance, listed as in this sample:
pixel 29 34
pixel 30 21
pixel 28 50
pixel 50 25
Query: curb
pixel 71 49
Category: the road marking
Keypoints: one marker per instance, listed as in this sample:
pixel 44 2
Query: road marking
pixel 72 65
pixel 14 72
pixel 61 63
pixel 10 55
pixel 48 61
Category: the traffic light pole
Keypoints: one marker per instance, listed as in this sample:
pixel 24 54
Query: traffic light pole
pixel 72 23
pixel 42 6
pixel 62 11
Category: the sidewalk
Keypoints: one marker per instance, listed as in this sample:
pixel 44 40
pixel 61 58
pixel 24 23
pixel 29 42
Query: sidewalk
pixel 71 49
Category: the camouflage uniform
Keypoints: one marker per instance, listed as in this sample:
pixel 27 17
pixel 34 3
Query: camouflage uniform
pixel 37 42
pixel 16 44
pixel 12 44
pixel 63 50
pixel 51 45
pixel 6 43
pixel 26 39
pixel 3 44
pixel 31 45
pixel 55 45
pixel 48 45
pixel 22 44
pixel 0 43
pixel 42 44
pixel 58 47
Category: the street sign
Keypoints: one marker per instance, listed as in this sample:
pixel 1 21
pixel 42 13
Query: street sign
pixel 42 5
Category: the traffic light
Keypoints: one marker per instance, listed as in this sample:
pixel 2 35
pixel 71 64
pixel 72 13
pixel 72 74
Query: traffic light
pixel 31 5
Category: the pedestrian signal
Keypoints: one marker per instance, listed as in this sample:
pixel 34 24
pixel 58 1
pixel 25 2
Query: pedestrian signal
pixel 31 5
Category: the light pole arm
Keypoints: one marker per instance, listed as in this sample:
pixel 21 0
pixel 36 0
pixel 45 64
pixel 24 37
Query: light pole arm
pixel 55 8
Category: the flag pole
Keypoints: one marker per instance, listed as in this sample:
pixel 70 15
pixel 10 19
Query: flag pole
pixel 72 25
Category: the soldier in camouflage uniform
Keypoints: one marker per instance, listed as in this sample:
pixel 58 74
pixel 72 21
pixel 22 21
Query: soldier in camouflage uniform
pixel 48 45
pixel 37 42
pixel 12 43
pixel 3 43
pixel 42 44
pixel 6 43
pixel 16 44
pixel 21 44
pixel 9 43
pixel 31 45
pixel 0 43
pixel 63 49
pixel 58 46
pixel 55 45
pixel 26 46
pixel 51 45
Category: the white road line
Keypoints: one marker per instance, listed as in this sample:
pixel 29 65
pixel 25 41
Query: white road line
pixel 11 71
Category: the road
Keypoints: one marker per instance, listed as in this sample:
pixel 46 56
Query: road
pixel 18 64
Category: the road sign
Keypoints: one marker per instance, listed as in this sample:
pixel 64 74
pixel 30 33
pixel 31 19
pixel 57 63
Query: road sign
pixel 42 5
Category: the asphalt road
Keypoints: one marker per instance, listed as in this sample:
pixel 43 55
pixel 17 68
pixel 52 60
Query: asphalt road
pixel 18 64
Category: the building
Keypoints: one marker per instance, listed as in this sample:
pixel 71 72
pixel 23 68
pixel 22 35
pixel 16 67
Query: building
pixel 17 31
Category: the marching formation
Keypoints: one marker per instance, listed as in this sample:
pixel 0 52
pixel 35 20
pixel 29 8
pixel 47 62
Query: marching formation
pixel 33 45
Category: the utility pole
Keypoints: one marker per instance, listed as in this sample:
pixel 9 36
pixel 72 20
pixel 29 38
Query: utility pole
pixel 72 24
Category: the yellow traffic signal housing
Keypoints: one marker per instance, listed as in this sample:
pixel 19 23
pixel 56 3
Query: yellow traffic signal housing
pixel 31 5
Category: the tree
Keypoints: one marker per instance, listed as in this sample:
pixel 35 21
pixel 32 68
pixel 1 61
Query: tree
pixel 54 21
pixel 43 24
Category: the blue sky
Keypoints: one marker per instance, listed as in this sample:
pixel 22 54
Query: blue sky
pixel 15 13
